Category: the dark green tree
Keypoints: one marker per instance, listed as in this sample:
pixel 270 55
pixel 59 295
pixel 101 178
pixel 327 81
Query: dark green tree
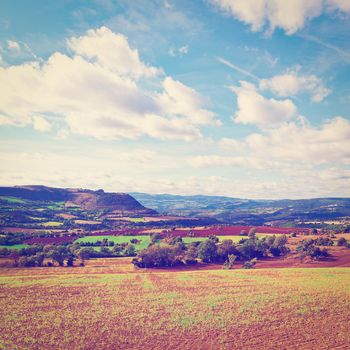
pixel 207 251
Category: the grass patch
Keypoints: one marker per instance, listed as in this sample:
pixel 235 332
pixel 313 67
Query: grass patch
pixel 87 222
pixel 52 224
pixel 135 219
pixel 145 240
pixel 10 199
pixel 15 246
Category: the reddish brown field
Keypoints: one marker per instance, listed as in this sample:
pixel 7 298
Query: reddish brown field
pixel 110 305
pixel 28 230
pixel 234 231
pixel 205 232
pixel 66 216
pixel 120 232
pixel 50 240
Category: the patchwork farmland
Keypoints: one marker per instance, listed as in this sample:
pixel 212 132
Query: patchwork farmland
pixel 77 273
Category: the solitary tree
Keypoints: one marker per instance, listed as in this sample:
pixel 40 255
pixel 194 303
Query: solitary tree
pixel 252 232
pixel 231 258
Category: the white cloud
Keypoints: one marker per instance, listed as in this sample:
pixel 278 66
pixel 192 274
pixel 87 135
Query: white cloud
pixel 168 5
pixel 291 16
pixel 341 5
pixel 99 91
pixel 327 144
pixel 179 99
pixel 13 45
pixel 230 144
pixel 254 108
pixel 210 161
pixel 303 161
pixel 292 83
pixel 172 52
pixel 112 51
pixel 41 124
pixel 296 143
pixel 184 49
pixel 110 169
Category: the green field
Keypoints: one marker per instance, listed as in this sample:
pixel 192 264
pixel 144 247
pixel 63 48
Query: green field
pixel 56 206
pixel 15 246
pixel 51 224
pixel 12 199
pixel 136 219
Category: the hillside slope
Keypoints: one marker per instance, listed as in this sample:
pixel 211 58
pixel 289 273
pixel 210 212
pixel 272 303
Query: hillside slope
pixel 84 199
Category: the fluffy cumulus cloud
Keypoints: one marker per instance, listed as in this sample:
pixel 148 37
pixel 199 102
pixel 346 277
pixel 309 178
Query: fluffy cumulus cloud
pixel 253 108
pixel 291 16
pixel 327 144
pixel 292 83
pixel 99 90
pixel 304 160
pixel 291 144
pixel 112 51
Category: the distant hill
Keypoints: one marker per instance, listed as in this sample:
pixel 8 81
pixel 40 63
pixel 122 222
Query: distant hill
pixel 85 199
pixel 251 212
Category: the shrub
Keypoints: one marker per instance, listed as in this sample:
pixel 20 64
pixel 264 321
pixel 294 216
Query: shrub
pixel 277 245
pixel 118 249
pixel 130 250
pixel 225 248
pixel 70 261
pixel 31 261
pixel 313 231
pixel 191 254
pixel 307 248
pixel 155 237
pixel 207 251
pixel 5 252
pixel 253 248
pixel 228 264
pixel 250 264
pixel 252 233
pixel 163 255
pixel 324 241
pixel 213 238
pixel 342 242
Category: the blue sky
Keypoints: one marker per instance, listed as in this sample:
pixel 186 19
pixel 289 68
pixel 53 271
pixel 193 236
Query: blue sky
pixel 225 97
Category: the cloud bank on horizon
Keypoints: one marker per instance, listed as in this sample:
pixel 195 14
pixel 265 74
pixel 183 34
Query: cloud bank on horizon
pixel 227 97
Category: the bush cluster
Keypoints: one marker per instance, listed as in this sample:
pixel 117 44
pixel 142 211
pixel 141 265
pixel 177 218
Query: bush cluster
pixel 308 248
pixel 172 251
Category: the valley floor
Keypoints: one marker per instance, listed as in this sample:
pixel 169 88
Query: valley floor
pixel 110 305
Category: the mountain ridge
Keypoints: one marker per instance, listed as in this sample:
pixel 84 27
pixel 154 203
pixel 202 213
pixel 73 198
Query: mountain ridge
pixel 84 198
pixel 252 211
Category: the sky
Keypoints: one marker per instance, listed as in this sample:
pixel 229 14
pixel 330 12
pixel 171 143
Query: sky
pixel 241 98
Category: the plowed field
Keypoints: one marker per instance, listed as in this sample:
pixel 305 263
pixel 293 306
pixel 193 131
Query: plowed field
pixel 112 306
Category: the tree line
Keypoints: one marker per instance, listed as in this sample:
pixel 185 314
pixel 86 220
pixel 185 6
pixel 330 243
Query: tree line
pixel 171 251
